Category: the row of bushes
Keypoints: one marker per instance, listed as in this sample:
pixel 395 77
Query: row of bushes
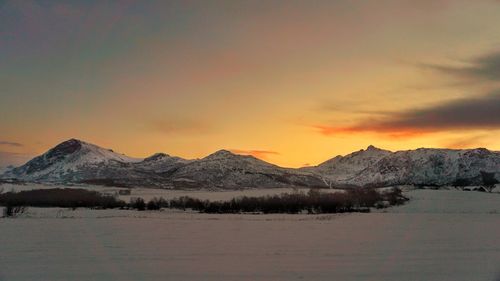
pixel 58 197
pixel 314 201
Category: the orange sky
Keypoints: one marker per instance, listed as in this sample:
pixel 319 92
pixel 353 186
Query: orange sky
pixel 292 82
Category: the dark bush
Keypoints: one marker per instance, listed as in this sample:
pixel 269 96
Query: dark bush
pixel 489 180
pixel 156 204
pixel 395 196
pixel 11 211
pixel 57 197
pixel 137 203
pixel 354 200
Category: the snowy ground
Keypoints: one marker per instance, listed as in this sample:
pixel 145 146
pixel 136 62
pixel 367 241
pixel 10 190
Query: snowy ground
pixel 439 235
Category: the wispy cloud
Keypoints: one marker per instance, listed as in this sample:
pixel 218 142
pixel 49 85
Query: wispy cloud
pixel 460 114
pixel 10 143
pixel 261 154
pixel 485 67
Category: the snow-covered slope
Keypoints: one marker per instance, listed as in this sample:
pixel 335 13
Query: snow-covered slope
pixel 162 163
pixel 343 168
pixel 71 160
pixel 424 166
pixel 224 169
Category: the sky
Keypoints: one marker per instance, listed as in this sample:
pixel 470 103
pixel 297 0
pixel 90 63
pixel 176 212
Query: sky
pixel 291 82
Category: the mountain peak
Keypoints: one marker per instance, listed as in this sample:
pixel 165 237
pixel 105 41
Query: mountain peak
pixel 67 147
pixel 74 140
pixel 375 150
pixel 221 154
pixel 88 152
pixel 156 156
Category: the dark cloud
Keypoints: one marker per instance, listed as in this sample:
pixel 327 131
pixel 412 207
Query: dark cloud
pixel 485 67
pixel 462 114
pixel 470 113
pixel 10 143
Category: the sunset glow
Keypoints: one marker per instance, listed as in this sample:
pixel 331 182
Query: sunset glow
pixel 288 82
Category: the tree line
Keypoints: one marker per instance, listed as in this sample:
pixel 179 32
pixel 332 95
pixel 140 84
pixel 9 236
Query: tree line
pixel 313 202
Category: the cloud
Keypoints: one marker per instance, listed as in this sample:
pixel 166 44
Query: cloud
pixel 456 115
pixel 9 143
pixel 485 67
pixel 261 154
pixel 465 114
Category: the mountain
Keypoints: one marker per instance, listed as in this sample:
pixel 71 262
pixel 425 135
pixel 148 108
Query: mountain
pixel 341 169
pixel 76 161
pixel 223 168
pixel 424 166
pixel 73 161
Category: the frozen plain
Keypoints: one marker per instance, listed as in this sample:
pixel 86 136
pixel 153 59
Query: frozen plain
pixel 439 235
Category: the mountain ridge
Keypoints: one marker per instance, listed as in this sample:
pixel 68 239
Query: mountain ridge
pixel 76 161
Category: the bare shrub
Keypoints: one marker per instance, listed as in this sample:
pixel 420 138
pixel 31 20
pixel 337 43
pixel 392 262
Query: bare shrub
pixel 395 196
pixel 489 180
pixel 57 197
pixel 12 211
pixel 355 200
pixel 156 204
pixel 137 203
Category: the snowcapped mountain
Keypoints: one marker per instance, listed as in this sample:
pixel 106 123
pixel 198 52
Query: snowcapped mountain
pixel 341 169
pixel 424 166
pixel 225 169
pixel 75 161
